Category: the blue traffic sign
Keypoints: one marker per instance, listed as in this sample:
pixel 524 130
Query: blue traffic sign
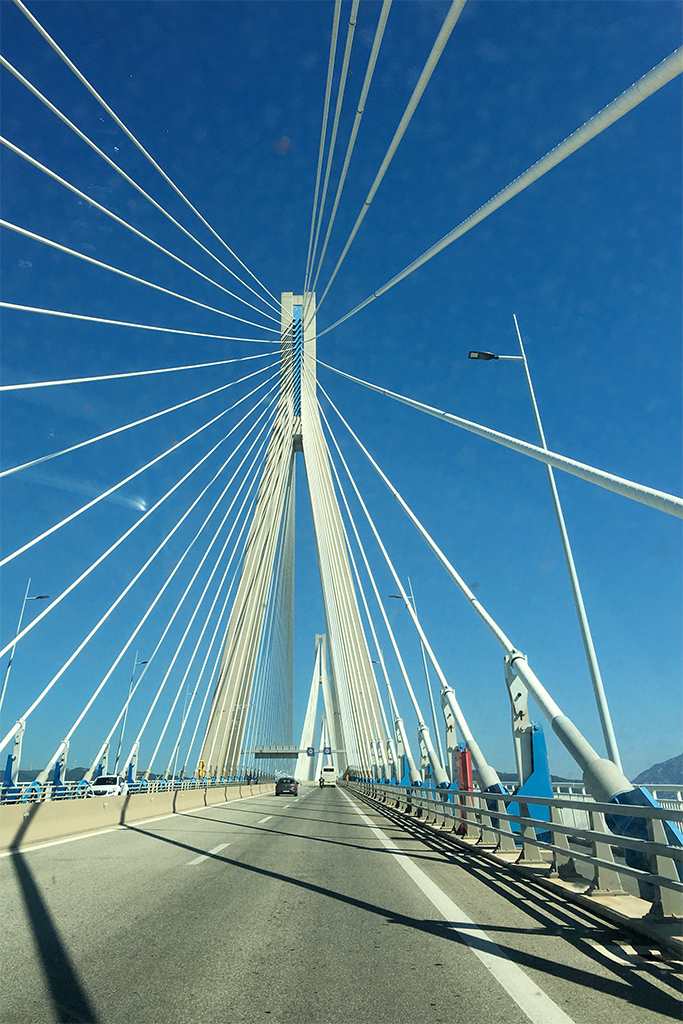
pixel 310 751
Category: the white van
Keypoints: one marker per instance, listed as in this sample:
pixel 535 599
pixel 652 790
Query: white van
pixel 328 776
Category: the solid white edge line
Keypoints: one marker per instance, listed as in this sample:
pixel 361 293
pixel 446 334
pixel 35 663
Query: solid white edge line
pixel 121 828
pixel 532 1000
pixel 59 842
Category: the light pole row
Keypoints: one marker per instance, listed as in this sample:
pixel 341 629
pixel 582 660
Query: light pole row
pixel 125 713
pixel 38 597
pixel 426 671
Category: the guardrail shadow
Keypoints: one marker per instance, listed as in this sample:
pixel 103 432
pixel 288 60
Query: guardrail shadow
pixel 70 1001
pixel 576 925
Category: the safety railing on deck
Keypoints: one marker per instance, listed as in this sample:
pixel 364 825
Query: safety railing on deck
pixel 33 792
pixel 542 833
pixel 669 796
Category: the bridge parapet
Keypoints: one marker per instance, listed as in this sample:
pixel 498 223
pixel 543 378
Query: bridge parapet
pixel 23 823
pixel 564 842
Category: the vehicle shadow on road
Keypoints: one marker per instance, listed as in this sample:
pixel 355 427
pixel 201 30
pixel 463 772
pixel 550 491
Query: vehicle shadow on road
pixel 69 998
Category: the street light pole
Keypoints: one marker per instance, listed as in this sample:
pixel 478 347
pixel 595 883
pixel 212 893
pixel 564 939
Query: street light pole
pixel 125 713
pixel 182 725
pixel 429 684
pixel 411 598
pixel 591 657
pixel 39 597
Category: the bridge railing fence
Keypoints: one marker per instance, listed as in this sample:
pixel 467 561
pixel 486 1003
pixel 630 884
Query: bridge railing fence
pixel 32 792
pixel 566 837
pixel 667 796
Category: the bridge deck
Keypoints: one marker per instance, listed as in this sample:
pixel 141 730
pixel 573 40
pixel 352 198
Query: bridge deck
pixel 309 909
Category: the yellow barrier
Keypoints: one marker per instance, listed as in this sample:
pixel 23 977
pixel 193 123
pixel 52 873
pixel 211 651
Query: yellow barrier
pixel 25 824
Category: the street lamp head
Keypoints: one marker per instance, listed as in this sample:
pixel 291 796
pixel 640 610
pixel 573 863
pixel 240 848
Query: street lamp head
pixel 397 596
pixel 481 355
pixel 39 597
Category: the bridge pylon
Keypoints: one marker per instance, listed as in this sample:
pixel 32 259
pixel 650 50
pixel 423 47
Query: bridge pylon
pixel 354 720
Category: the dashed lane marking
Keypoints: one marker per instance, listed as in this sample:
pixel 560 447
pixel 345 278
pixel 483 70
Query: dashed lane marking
pixel 207 856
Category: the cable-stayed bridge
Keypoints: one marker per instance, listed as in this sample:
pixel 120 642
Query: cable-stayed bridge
pixel 169 548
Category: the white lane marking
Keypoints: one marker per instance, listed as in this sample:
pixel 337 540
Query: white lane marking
pixel 260 822
pixel 531 1000
pixel 58 842
pixel 30 847
pixel 205 856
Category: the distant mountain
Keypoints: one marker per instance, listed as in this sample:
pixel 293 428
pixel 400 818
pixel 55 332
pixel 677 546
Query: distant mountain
pixel 72 775
pixel 666 773
pixel 513 777
pixel 29 774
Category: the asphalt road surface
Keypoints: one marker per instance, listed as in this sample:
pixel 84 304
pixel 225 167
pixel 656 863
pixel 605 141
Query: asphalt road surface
pixel 308 910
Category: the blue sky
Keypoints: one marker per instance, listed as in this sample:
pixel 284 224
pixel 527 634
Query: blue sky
pixel 228 99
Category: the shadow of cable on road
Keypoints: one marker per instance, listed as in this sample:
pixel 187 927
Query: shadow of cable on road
pixel 636 991
pixel 70 1001
pixel 574 924
pixel 246 829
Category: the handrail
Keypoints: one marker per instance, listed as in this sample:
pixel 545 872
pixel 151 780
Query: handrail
pixel 486 820
pixel 33 792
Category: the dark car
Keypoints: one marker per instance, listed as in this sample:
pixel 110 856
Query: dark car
pixel 286 785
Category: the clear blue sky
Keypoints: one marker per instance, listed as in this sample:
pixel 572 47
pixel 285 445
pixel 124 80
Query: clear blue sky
pixel 228 98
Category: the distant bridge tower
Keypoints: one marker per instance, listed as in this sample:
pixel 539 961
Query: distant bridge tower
pixel 265 590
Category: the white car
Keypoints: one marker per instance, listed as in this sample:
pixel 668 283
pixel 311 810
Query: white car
pixel 109 785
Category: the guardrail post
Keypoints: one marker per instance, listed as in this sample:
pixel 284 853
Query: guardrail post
pixel 469 826
pixel 471 819
pixel 563 863
pixel 446 809
pixel 531 854
pixel 472 822
pixel 439 816
pixel 486 836
pixel 506 841
pixel 667 902
pixel 606 881
pixel 430 809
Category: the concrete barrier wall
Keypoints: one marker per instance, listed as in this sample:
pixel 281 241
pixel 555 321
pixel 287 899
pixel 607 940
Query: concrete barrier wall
pixel 24 824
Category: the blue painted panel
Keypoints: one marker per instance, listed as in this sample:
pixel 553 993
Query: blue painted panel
pixel 539 784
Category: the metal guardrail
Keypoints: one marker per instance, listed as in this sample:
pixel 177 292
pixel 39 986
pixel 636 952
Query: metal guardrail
pixel 555 842
pixel 666 795
pixel 33 792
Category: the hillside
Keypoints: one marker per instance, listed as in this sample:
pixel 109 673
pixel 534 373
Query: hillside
pixel 666 773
